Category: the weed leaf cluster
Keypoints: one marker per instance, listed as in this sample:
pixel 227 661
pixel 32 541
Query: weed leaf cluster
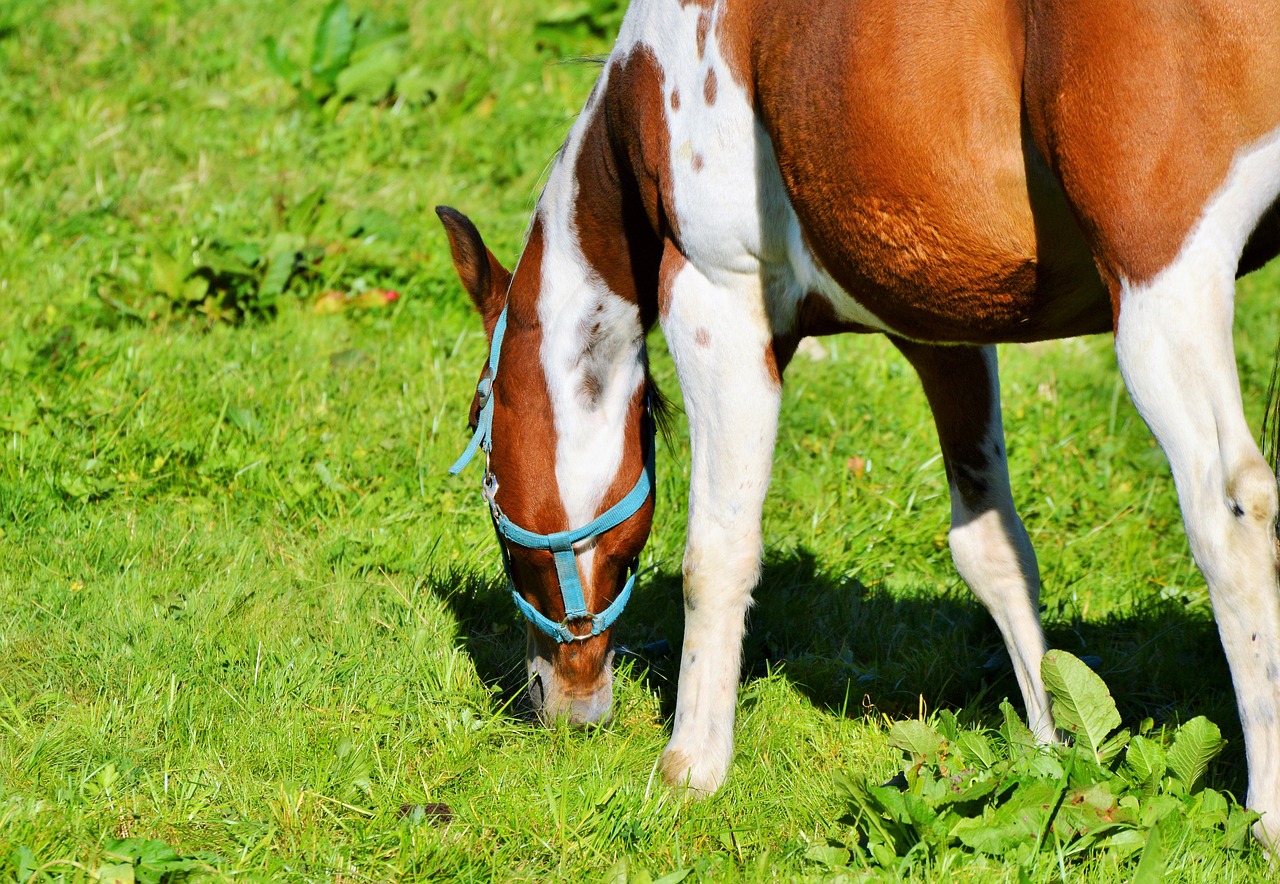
pixel 1001 795
pixel 354 57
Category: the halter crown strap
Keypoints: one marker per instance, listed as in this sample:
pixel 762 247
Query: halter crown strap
pixel 483 436
pixel 559 543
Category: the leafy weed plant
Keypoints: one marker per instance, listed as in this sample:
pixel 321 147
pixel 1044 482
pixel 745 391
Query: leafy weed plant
pixel 1000 794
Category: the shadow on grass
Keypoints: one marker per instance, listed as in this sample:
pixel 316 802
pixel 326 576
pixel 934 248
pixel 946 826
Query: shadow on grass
pixel 857 649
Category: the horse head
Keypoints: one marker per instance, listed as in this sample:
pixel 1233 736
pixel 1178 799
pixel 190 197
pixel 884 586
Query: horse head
pixel 562 417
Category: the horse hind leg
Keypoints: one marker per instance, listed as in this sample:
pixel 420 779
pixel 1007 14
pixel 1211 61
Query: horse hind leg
pixel 989 544
pixel 1175 349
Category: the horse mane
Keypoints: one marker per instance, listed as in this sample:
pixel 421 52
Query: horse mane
pixel 662 409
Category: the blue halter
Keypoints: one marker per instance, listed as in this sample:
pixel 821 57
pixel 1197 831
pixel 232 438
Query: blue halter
pixel 560 544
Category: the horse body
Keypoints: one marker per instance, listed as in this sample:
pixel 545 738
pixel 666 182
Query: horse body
pixel 951 174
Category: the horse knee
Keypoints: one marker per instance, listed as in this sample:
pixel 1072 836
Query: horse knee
pixel 724 571
pixel 1251 492
pixel 991 550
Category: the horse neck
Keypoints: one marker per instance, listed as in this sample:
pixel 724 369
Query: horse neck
pixel 581 292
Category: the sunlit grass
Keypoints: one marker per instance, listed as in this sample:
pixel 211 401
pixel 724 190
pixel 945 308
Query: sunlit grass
pixel 244 611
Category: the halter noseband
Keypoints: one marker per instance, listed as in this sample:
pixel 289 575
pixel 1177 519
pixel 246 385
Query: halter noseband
pixel 560 543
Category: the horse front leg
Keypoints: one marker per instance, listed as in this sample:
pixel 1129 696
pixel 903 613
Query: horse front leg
pixel 989 544
pixel 721 344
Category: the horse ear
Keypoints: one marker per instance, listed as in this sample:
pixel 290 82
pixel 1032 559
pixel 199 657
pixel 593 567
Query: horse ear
pixel 482 275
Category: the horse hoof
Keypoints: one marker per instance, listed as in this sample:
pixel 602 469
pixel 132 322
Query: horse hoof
pixel 694 779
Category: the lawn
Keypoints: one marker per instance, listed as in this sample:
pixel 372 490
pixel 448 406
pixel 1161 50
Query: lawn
pixel 250 628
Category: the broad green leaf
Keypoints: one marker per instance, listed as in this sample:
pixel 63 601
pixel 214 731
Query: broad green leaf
pixel 281 64
pixel 1159 807
pixel 1113 746
pixel 1082 705
pixel 334 39
pixel 1239 822
pixel 673 877
pixel 1194 745
pixel 1210 808
pixel 279 269
pixel 24 862
pixel 866 811
pixel 1014 731
pixel 1145 762
pixel 986 836
pixel 917 738
pixel 167 275
pixel 1126 842
pixel 370 77
pixel 884 855
pixel 115 873
pixel 828 855
pixel 976 749
pixel 979 787
pixel 195 289
pixel 1151 866
pixel 946 724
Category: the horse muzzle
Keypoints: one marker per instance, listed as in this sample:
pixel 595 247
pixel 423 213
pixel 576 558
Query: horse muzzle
pixel 567 684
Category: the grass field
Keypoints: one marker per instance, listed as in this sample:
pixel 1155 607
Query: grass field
pixel 248 620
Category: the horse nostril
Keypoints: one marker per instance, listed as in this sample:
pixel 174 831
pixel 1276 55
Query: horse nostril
pixel 537 693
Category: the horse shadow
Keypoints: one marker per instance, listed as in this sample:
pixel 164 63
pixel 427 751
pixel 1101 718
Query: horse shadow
pixel 857 648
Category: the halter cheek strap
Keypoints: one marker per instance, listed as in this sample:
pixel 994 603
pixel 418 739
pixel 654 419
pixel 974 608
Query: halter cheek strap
pixel 559 543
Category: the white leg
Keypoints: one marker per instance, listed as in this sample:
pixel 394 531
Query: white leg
pixel 988 542
pixel 1175 350
pixel 718 337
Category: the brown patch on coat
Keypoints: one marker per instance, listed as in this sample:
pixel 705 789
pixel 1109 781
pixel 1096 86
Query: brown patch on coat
pixel 675 99
pixel 523 461
pixel 696 162
pixel 673 261
pixel 704 26
pixel 702 337
pixel 620 218
pixel 1142 130
pixel 926 203
pixel 709 87
pixel 958 384
pixel 524 435
pixel 624 182
pixel 771 366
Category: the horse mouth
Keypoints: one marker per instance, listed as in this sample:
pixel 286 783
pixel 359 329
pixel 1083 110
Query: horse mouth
pixel 553 704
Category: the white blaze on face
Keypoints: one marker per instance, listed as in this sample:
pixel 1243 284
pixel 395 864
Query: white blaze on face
pixel 591 356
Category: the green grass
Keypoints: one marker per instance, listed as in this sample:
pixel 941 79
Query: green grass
pixel 245 612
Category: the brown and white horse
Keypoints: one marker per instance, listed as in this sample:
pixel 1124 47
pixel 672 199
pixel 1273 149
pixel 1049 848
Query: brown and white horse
pixel 951 174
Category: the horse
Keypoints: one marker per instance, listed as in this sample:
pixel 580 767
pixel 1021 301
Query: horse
pixel 746 173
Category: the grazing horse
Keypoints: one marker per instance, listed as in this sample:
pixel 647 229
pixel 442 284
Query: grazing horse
pixel 950 174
